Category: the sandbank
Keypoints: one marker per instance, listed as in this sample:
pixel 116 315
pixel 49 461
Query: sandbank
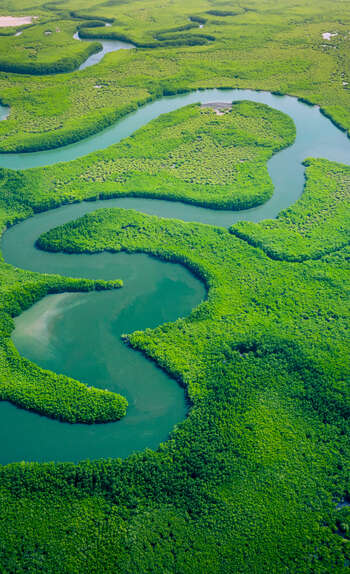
pixel 11 21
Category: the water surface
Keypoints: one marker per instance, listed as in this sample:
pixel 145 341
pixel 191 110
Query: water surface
pixel 80 333
pixel 107 47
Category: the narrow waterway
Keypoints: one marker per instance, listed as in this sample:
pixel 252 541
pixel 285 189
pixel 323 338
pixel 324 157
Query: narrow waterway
pixel 79 334
pixel 107 47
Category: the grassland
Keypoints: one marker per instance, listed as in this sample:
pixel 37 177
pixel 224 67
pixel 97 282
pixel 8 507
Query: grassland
pixel 250 482
pixel 47 48
pixel 277 49
pixel 190 155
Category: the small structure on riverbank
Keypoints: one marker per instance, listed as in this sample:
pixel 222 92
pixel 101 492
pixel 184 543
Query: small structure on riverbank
pixel 219 108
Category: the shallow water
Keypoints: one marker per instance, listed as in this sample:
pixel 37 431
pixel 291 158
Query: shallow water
pixel 80 333
pixel 107 47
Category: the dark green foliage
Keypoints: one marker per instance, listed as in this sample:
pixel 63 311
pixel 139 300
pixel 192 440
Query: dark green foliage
pixel 164 38
pixel 159 35
pixel 198 19
pixel 251 481
pixel 91 24
pixel 224 13
pixel 84 16
pixel 266 442
pixel 184 39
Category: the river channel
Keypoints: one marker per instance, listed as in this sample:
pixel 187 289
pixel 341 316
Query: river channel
pixel 79 334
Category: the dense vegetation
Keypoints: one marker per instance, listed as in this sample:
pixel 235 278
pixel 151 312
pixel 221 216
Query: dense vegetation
pixel 48 48
pixel 277 48
pixel 266 444
pixel 252 477
pixel 31 387
pixel 318 223
pixel 256 479
pixel 163 38
pixel 191 155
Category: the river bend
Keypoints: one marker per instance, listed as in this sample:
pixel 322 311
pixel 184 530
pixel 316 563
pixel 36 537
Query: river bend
pixel 154 291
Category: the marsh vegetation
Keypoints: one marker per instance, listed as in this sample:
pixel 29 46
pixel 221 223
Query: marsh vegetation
pixel 254 479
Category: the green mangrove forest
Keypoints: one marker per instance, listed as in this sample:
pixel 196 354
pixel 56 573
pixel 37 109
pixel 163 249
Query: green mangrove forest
pixel 193 193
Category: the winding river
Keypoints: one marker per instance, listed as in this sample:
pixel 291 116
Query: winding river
pixel 79 334
pixel 107 47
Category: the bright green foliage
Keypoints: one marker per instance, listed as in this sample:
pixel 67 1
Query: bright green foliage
pixel 164 38
pixel 191 155
pixel 249 482
pixel 267 47
pixel 27 385
pixel 150 25
pixel 48 48
pixel 215 256
pixel 250 478
pixel 45 128
pixel 265 447
pixel 318 223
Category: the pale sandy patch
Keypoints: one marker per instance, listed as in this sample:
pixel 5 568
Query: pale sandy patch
pixel 220 108
pixel 10 21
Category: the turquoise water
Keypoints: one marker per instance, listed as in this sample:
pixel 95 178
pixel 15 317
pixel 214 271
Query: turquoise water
pixel 79 334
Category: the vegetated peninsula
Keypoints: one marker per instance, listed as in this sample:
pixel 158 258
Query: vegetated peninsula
pixel 188 155
pixel 255 479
